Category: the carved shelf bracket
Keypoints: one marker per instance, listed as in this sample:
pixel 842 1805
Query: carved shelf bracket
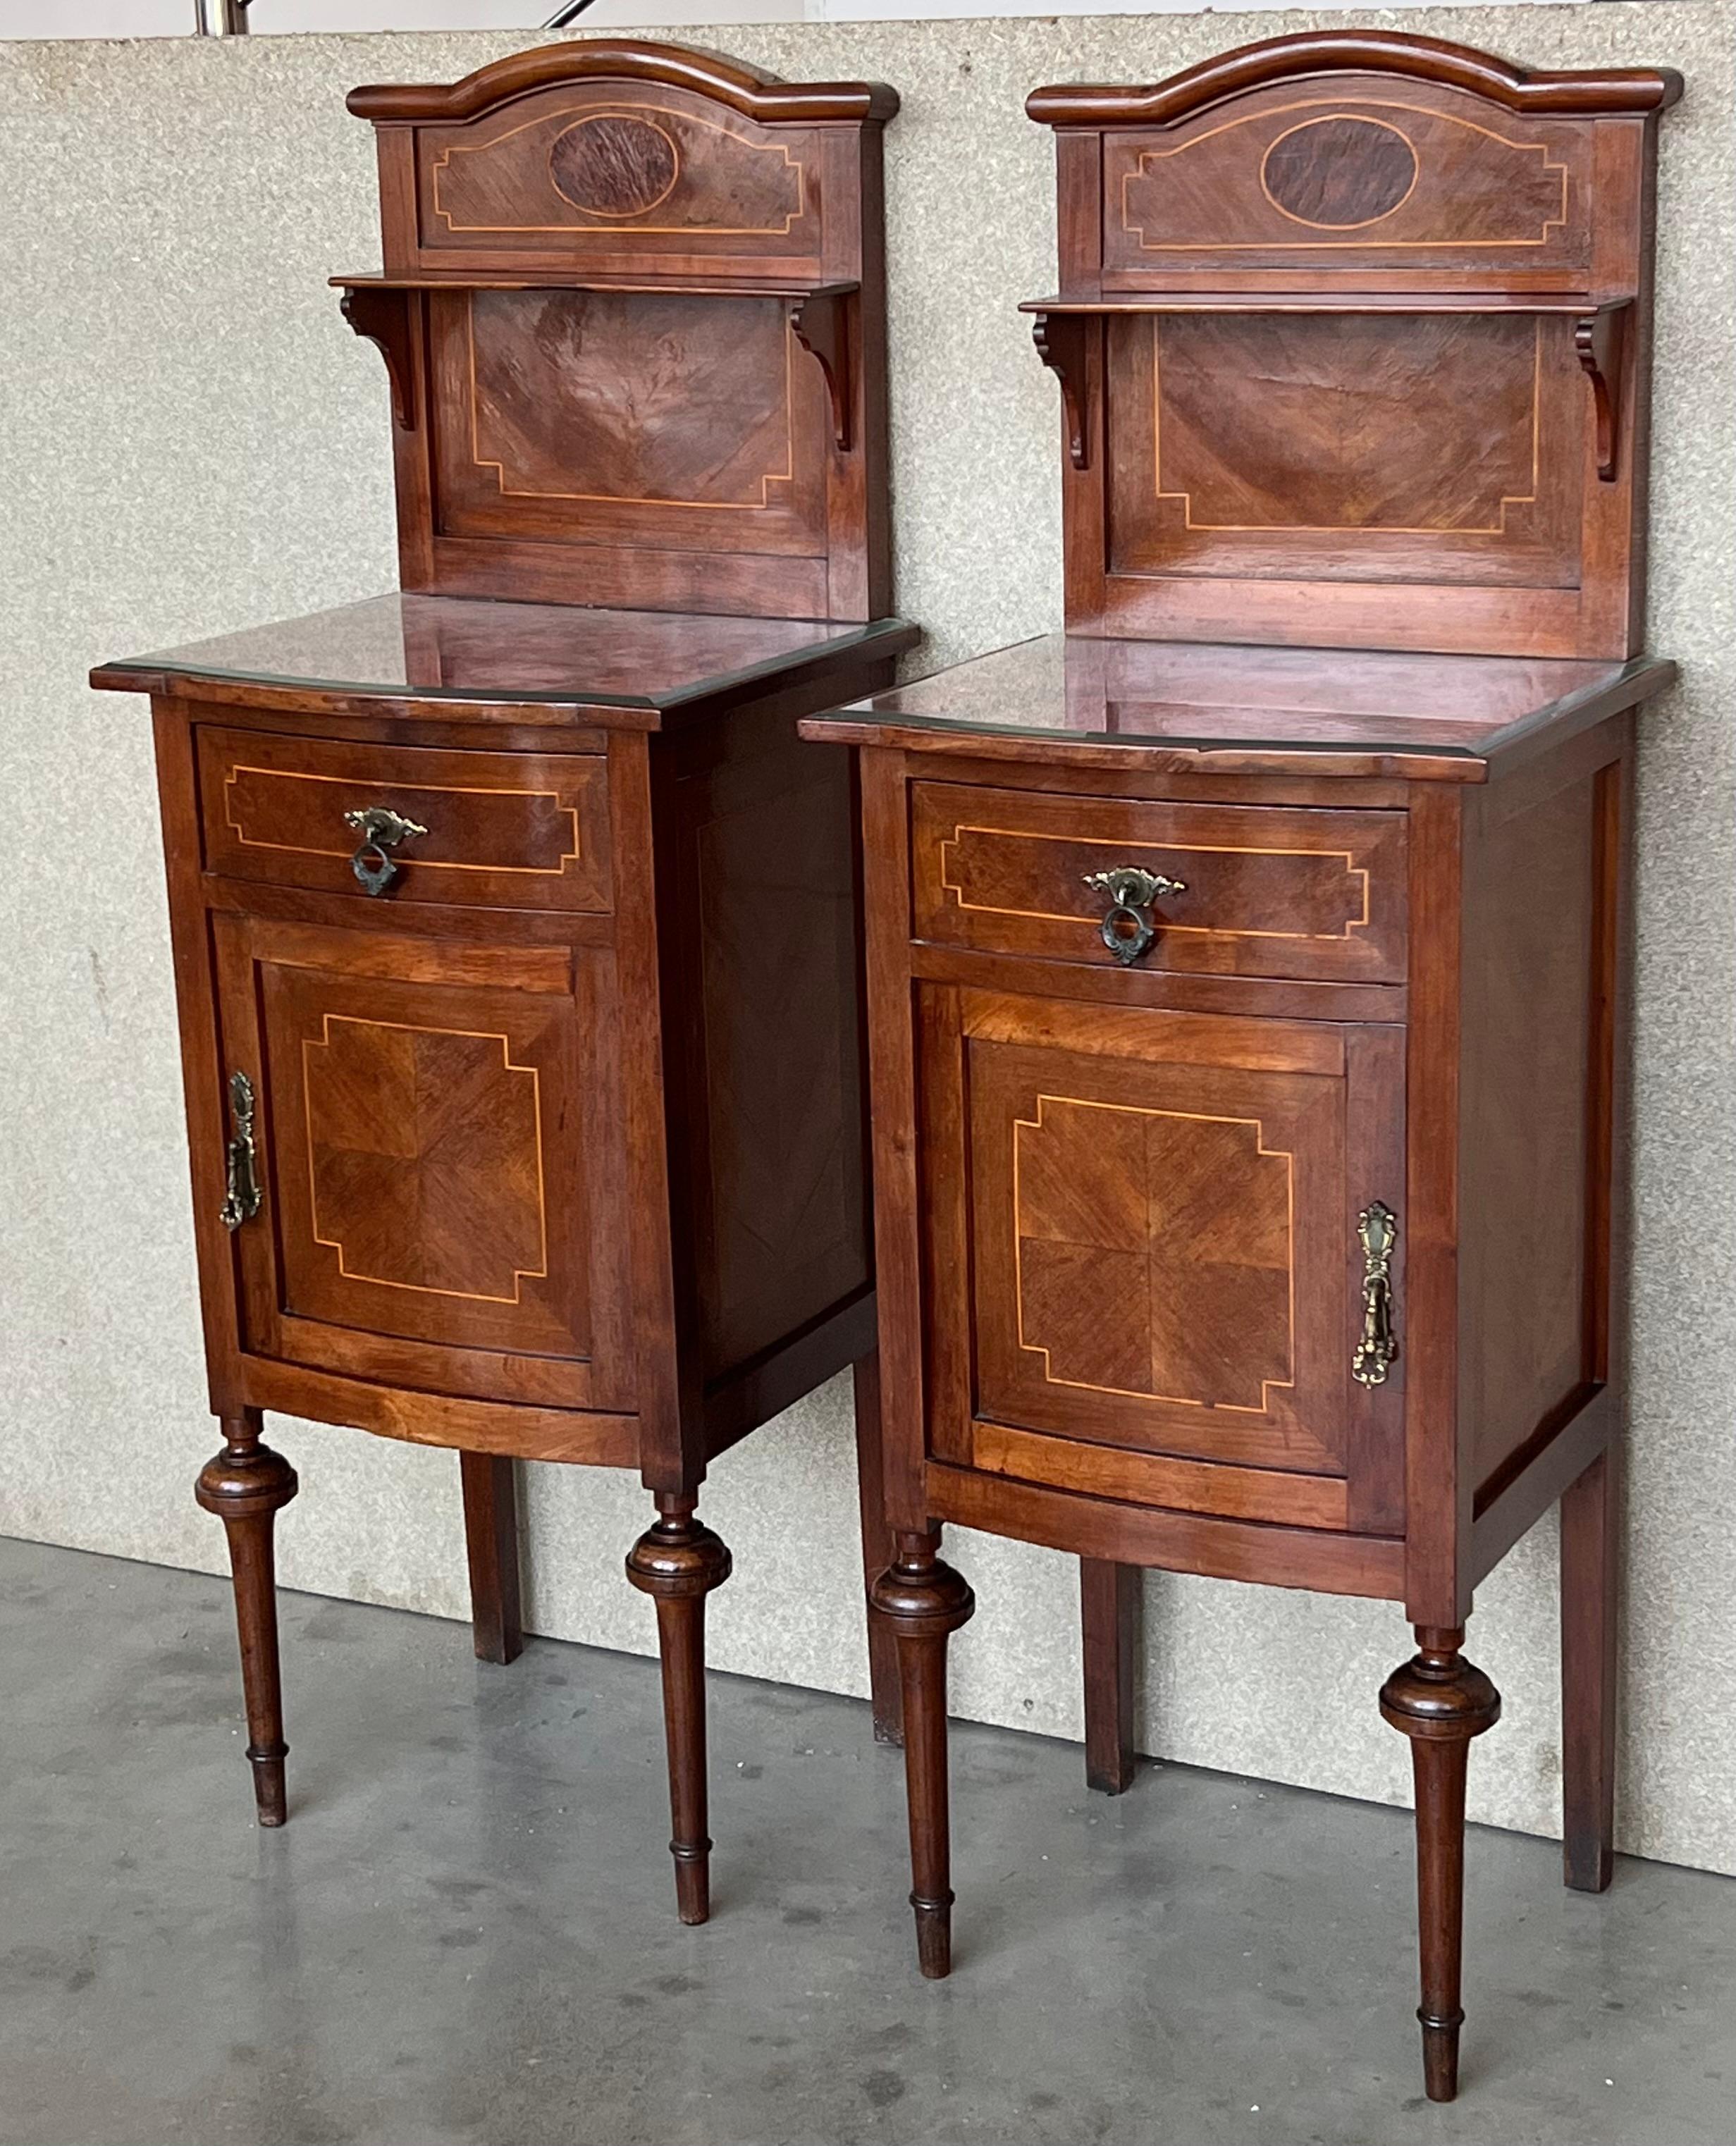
pixel 821 323
pixel 1600 339
pixel 383 317
pixel 1062 342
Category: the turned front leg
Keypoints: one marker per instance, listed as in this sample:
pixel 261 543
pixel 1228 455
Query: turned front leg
pixel 924 1601
pixel 678 1562
pixel 244 1486
pixel 1440 1701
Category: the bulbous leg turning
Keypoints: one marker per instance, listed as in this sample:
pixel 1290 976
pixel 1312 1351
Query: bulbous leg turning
pixel 678 1562
pixel 245 1485
pixel 1440 1701
pixel 923 1602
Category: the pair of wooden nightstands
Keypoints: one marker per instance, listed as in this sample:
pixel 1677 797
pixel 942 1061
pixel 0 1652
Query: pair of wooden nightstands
pixel 1242 966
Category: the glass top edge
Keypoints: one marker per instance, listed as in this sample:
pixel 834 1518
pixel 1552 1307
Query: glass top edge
pixel 831 637
pixel 1590 679
pixel 861 716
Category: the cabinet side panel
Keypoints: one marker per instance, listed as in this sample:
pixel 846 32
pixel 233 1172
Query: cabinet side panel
pixel 774 1045
pixel 1531 1116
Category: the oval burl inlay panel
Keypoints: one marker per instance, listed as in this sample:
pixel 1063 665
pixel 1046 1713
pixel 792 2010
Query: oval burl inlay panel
pixel 1339 173
pixel 613 165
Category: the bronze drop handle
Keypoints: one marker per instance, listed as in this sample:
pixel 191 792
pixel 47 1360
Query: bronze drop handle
pixel 1127 929
pixel 241 1203
pixel 381 830
pixel 1376 1352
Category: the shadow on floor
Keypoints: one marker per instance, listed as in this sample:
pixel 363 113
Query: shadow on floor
pixel 465 1935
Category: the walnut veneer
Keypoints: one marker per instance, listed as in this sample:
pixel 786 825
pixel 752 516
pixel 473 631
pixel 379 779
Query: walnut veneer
pixel 1244 965
pixel 516 934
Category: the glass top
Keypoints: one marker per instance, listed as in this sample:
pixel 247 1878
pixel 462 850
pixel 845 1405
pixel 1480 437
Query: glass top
pixel 484 649
pixel 1191 693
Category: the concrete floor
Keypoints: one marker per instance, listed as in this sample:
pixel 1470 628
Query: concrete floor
pixel 466 1932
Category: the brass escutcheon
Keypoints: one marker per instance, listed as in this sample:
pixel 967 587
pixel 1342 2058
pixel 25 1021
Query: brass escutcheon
pixel 1131 891
pixel 241 1200
pixel 1376 1352
pixel 381 829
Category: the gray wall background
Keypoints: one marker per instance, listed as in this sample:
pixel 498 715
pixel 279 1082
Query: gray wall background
pixel 193 442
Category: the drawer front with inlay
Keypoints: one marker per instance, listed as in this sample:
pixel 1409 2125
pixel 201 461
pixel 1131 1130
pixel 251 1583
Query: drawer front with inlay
pixel 1232 889
pixel 487 830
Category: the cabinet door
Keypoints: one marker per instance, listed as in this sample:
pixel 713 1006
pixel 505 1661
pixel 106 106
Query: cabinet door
pixel 1142 1236
pixel 438 1129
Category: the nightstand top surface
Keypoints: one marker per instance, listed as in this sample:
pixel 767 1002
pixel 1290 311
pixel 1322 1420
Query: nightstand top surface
pixel 1077 697
pixel 421 648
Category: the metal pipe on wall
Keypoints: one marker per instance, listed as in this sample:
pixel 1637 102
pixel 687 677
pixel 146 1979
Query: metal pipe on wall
pixel 228 18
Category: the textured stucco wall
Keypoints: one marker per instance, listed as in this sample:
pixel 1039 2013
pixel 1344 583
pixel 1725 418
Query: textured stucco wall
pixel 193 440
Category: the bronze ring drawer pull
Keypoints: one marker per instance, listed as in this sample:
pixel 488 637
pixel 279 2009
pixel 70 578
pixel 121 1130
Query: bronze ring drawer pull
pixel 1378 1227
pixel 1131 892
pixel 241 1201
pixel 381 830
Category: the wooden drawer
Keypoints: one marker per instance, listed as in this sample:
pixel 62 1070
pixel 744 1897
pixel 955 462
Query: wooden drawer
pixel 1266 891
pixel 505 831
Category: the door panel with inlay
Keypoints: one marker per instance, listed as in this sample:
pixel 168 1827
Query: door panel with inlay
pixel 1159 1217
pixel 437 1127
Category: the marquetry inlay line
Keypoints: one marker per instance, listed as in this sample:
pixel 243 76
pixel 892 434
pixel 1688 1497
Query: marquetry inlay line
pixel 1324 109
pixel 520 1275
pixel 1267 1386
pixel 556 871
pixel 1352 870
pixel 632 224
pixel 1497 528
pixel 759 505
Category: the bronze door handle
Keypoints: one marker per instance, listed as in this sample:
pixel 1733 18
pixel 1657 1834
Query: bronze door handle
pixel 1377 1348
pixel 242 1201
pixel 1131 891
pixel 381 830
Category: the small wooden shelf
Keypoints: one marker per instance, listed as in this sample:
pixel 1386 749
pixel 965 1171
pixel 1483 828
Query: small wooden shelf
pixel 1575 303
pixel 567 279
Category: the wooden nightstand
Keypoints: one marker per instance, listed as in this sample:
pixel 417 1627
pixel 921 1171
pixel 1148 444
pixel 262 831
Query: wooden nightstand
pixel 1244 965
pixel 517 942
